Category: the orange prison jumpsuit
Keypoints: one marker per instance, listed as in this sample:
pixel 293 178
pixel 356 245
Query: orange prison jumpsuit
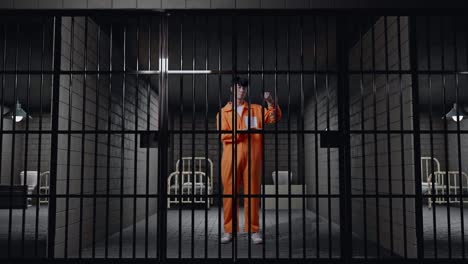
pixel 242 173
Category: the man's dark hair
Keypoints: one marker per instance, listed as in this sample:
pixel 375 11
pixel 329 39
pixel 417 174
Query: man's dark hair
pixel 240 81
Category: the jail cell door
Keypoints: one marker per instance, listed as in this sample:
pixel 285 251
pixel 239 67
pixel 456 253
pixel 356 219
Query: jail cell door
pixel 286 161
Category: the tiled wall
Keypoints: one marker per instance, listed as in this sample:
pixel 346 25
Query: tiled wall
pixel 114 154
pixel 382 161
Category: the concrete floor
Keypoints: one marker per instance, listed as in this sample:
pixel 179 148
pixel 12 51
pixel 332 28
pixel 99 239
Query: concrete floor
pixel 441 241
pixel 443 236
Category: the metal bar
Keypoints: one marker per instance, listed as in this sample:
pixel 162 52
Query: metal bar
pixel 457 95
pixel 428 46
pixel 263 137
pixel 363 139
pixel 135 164
pixel 344 151
pixel 3 100
pixel 389 145
pixel 328 149
pixel 12 170
pixel 301 164
pixel 402 144
pixel 109 94
pixel 96 138
pixel 28 93
pixel 317 209
pixel 122 139
pixel 39 152
pixel 83 138
pixel 376 162
pixel 249 140
pixel 69 117
pixel 181 118
pixel 148 116
pixel 194 54
pixel 57 53
pixel 220 200
pixel 234 138
pixel 289 139
pixel 207 200
pixel 276 134
pixel 163 146
pixel 416 136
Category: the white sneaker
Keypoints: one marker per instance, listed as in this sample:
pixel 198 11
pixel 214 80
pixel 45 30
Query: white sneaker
pixel 226 238
pixel 256 238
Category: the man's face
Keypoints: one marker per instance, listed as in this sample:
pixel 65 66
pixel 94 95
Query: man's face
pixel 241 92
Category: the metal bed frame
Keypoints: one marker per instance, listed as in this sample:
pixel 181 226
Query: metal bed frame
pixel 191 179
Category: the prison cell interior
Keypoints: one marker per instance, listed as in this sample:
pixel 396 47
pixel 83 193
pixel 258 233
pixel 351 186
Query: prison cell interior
pixel 95 85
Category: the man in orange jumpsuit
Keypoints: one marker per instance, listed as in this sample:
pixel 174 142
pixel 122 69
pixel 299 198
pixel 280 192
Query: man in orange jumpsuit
pixel 241 148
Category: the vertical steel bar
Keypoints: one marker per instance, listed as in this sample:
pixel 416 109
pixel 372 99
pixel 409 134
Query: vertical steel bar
pixel 444 98
pixel 276 133
pixel 57 53
pixel 135 157
pixel 83 138
pixel 26 141
pixel 12 170
pixel 263 142
pixel 344 151
pixel 234 187
pixel 462 217
pixel 429 68
pixel 69 121
pixel 181 118
pixel 288 80
pixel 163 134
pixel 249 140
pixel 376 161
pixel 389 146
pixel 39 149
pixel 148 123
pixel 402 138
pixel 416 135
pixel 302 139
pixel 109 127
pixel 3 96
pixel 122 139
pixel 316 150
pixel 194 59
pixel 207 179
pixel 96 137
pixel 327 87
pixel 220 193
pixel 363 139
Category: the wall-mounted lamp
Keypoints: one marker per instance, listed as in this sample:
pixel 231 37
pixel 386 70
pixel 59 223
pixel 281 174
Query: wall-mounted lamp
pixel 456 113
pixel 17 113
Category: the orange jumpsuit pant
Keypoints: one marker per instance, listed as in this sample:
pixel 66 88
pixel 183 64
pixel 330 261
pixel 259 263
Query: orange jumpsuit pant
pixel 239 147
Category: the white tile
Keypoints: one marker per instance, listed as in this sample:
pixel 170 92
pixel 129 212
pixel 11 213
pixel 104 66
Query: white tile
pixel 26 4
pixel 248 4
pixel 74 4
pixel 6 3
pixel 297 4
pixel 198 4
pixel 148 3
pixel 273 3
pixel 223 3
pixel 50 4
pixel 99 3
pixel 168 4
pixel 124 4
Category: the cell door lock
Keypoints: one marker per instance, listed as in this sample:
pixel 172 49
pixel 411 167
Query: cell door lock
pixel 331 139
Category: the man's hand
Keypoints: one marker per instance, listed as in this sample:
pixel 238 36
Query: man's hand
pixel 268 98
